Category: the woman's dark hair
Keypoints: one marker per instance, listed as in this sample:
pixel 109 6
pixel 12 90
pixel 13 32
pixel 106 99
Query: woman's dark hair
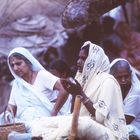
pixel 86 48
pixel 20 56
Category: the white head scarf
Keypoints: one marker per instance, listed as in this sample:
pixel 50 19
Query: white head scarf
pixel 96 62
pixel 36 66
pixel 135 88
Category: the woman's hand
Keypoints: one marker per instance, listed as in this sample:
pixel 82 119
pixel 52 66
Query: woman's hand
pixel 73 87
pixel 8 117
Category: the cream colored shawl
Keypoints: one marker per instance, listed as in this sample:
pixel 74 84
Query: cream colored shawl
pixel 103 90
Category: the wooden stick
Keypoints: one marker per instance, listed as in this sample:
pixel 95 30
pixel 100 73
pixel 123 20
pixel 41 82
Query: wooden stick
pixel 74 127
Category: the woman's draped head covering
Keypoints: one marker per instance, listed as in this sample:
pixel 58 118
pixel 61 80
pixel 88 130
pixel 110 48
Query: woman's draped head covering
pixel 24 92
pixel 96 62
pixel 36 66
pixel 135 90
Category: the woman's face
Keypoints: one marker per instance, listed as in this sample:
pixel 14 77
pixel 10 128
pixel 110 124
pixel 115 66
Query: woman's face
pixel 19 66
pixel 81 60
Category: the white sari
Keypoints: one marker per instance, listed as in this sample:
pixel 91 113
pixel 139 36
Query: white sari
pixel 31 103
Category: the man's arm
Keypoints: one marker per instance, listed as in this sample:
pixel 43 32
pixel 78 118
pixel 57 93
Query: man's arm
pixel 61 99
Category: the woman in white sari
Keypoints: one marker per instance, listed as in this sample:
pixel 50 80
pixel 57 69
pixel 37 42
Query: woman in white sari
pixel 130 86
pixel 101 114
pixel 29 97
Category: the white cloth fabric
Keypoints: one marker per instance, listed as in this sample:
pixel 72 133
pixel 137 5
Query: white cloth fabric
pixel 131 108
pixel 103 90
pixel 33 96
pixel 53 96
pixel 32 101
pixel 132 100
pixel 56 128
pixel 105 94
pixel 6 117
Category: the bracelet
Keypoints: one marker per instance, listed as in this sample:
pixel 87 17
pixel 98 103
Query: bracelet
pixel 87 100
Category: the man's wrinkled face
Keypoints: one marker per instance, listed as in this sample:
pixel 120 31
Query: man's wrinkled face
pixel 81 60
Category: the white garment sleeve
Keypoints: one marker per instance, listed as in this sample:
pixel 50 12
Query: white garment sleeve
pixel 131 106
pixel 47 79
pixel 13 94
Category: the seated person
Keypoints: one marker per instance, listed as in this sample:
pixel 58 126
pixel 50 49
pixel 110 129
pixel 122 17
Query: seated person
pixel 61 69
pixel 130 86
pixel 29 97
pixel 101 114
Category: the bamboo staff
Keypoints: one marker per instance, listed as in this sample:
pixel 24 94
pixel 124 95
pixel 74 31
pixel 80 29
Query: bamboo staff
pixel 74 127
